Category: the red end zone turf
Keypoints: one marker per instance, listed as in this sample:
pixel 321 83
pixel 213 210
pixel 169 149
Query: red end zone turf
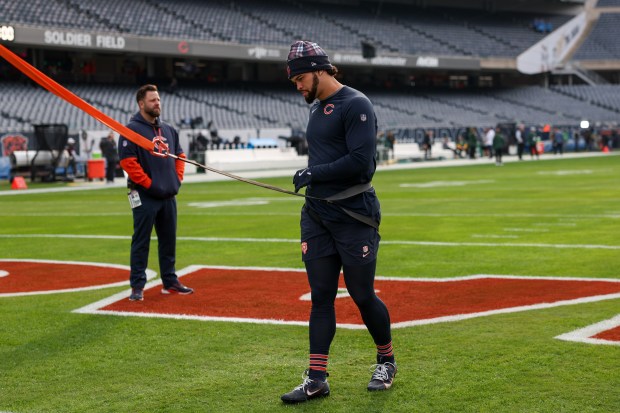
pixel 257 294
pixel 282 296
pixel 37 276
pixel 610 335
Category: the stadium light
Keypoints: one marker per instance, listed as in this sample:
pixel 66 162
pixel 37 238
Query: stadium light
pixel 585 124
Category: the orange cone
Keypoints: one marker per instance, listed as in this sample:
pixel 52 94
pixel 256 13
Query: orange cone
pixel 19 183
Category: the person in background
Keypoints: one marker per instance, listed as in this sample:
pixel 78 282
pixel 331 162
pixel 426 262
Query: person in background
pixel 461 146
pixel 472 142
pixel 390 141
pixel 546 132
pixel 498 146
pixel 153 183
pixel 70 155
pixel 110 153
pixel 216 140
pixel 446 144
pixel 558 141
pixel 588 134
pixel 520 140
pixel 488 142
pixel 86 146
pixel 427 144
pixel 532 142
pixel 576 136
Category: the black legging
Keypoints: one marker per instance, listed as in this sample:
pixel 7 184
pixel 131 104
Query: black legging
pixel 323 274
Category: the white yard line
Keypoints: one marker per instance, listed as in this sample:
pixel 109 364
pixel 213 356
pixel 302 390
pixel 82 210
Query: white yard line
pixel 211 212
pixel 494 236
pixel 295 240
pixel 526 230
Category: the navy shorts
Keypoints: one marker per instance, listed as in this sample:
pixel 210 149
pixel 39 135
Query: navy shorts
pixel 355 243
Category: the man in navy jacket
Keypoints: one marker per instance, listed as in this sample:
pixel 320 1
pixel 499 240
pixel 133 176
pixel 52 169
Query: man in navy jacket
pixel 153 183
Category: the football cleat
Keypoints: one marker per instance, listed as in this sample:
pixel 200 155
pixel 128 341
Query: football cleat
pixel 382 377
pixel 308 389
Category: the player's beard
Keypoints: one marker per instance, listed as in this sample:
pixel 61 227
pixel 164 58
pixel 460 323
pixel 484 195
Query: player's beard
pixel 312 92
pixel 153 112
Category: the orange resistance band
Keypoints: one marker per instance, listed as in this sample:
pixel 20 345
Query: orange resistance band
pixel 140 140
pixel 63 93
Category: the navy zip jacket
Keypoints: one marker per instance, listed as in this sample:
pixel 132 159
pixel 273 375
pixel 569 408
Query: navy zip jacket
pixel 165 182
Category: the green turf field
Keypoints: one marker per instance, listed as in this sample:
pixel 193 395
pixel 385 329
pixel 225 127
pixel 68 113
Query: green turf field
pixel 546 218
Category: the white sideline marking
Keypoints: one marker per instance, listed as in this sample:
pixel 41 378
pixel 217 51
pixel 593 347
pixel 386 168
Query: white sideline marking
pixel 233 203
pixel 94 308
pixel 61 214
pixel 556 224
pixel 240 202
pixel 198 212
pixel 202 212
pixel 583 335
pixel 77 236
pixel 612 215
pixel 493 236
pixel 149 275
pixel 436 184
pixel 562 173
pixel 296 241
pixel 526 230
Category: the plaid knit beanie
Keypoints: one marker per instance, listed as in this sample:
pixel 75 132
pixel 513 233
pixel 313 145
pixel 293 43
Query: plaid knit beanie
pixel 305 57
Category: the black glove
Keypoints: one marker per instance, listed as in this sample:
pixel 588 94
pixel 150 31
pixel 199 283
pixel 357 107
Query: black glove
pixel 302 178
